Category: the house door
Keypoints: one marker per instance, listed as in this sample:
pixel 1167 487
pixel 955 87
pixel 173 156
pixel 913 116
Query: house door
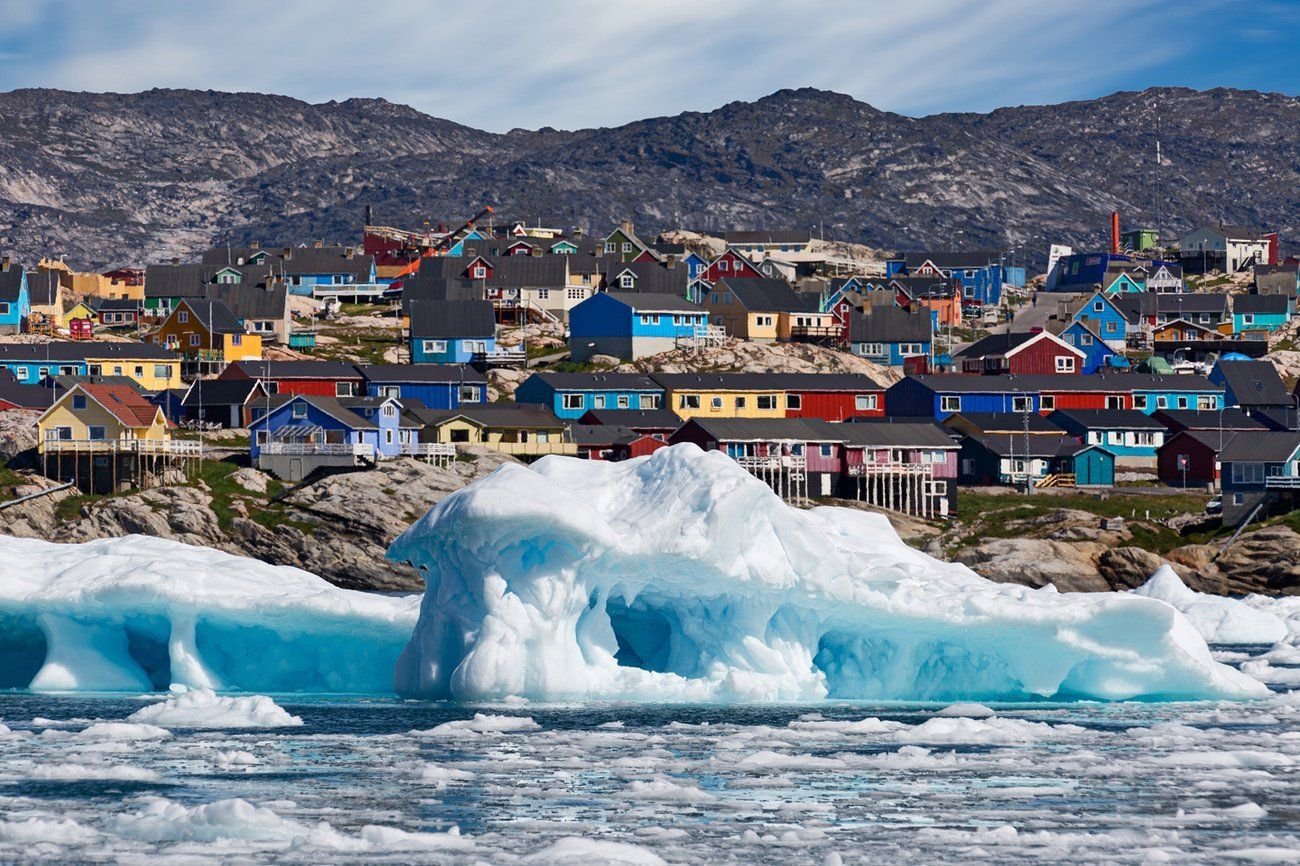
pixel 826 484
pixel 295 468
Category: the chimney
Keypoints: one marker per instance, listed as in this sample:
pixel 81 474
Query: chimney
pixel 1114 231
pixel 671 263
pixel 318 244
pixel 536 251
pixel 287 254
pixel 626 226
pixel 253 245
pixel 348 252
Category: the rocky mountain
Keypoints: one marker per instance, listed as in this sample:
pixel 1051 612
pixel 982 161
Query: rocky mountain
pixel 110 178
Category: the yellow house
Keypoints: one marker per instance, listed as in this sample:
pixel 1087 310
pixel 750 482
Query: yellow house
pixel 208 331
pixel 722 395
pixel 154 368
pixel 765 309
pixel 520 429
pixel 80 310
pixel 92 417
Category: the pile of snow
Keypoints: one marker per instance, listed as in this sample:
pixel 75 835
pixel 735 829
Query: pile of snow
pixel 1219 620
pixel 140 613
pixel 680 576
pixel 203 708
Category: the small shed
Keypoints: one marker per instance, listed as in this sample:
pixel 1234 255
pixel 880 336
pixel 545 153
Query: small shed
pixel 1094 466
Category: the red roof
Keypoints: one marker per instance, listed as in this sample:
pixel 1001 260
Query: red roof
pixel 124 402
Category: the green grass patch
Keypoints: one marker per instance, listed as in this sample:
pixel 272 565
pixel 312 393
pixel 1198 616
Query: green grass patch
pixel 69 508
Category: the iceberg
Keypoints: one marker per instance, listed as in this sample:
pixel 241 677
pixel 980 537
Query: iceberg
pixel 142 614
pixel 681 577
pixel 1219 619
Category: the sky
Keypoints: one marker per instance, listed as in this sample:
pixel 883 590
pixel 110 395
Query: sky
pixel 574 64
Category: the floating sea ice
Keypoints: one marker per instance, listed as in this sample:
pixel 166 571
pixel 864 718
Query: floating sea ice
pixel 680 576
pixel 203 708
pixel 440 777
pixel 123 731
pixel 967 710
pixel 594 852
pixel 1218 619
pixel 39 830
pixel 995 731
pixel 481 724
pixel 97 772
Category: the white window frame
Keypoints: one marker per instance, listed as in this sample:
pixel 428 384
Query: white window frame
pixel 865 402
pixel 433 347
pixel 765 401
pixel 572 401
pixel 1065 363
pixel 949 403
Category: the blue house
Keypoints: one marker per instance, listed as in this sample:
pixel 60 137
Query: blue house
pixel 452 332
pixel 386 414
pixel 889 335
pixel 632 325
pixel 980 272
pixel 306 268
pixel 1251 385
pixel 1261 312
pixel 1096 354
pixel 315 431
pixel 572 395
pixel 32 363
pixel 1155 391
pixel 437 386
pixel 1106 319
pixel 1133 437
pixel 1259 469
pixel 940 395
pixel 15 301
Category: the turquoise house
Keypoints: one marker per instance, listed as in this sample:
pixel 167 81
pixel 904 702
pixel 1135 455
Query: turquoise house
pixel 632 325
pixel 15 302
pixel 452 332
pixel 1261 312
pixel 1153 392
pixel 1094 466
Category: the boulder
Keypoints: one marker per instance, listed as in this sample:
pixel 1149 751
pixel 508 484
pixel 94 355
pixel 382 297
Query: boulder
pixel 1130 567
pixel 251 480
pixel 1069 566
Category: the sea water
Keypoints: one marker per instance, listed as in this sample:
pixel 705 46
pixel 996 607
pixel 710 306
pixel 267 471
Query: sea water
pixel 392 781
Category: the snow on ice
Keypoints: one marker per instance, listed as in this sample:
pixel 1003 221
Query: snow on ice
pixel 140 613
pixel 1219 620
pixel 679 576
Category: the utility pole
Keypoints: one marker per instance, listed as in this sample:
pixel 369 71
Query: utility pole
pixel 1029 461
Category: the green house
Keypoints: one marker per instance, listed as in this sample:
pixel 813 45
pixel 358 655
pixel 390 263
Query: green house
pixel 1094 466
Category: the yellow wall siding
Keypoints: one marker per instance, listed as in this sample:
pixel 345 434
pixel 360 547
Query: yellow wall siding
pixel 94 415
pixel 98 284
pixel 734 404
pixel 249 348
pixel 152 374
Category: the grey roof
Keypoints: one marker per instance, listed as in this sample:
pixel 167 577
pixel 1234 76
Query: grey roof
pixel 432 287
pixel 420 373
pixel 1242 233
pixel 766 293
pixel 601 434
pixel 42 287
pixel 655 302
pixel 323 260
pixel 11 281
pixel 549 271
pixel 1191 419
pixel 220 392
pixel 1260 447
pixel 1012 445
pixel 1111 383
pixel 995 344
pixel 635 419
pixel 653 277
pixel 1265 304
pixel 888 325
pixel 26 396
pixel 1134 305
pixel 1106 419
pixel 329 405
pixel 772 429
pixel 1004 422
pixel 598 381
pixel 508 415
pixel 884 433
pixel 214 316
pixel 1181 303
pixel 67 350
pixel 1254 383
pixel 454 319
pixel 766 381
pixel 775 237
pixel 928 287
pixel 113 305
pixel 295 370
pixel 267 299
pixel 194 280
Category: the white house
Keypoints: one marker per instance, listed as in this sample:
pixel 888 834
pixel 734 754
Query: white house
pixel 1235 247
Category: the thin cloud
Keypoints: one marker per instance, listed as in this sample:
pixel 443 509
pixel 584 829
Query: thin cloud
pixel 588 63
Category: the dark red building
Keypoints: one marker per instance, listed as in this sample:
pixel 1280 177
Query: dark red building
pixel 830 396
pixel 729 265
pixel 1191 458
pixel 310 378
pixel 1022 354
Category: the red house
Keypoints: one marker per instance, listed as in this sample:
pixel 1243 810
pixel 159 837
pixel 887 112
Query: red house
pixel 729 264
pixel 830 396
pixel 612 442
pixel 310 378
pixel 1083 392
pixel 1021 354
pixel 1191 458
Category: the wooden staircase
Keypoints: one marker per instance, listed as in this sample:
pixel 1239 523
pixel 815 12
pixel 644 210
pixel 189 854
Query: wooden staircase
pixel 1057 479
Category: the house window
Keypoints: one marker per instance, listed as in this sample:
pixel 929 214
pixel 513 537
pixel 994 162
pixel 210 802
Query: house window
pixel 949 404
pixel 864 402
pixel 827 450
pixel 740 402
pixel 1022 404
pixel 60 433
pixel 793 401
pixel 611 247
pixel 1205 402
pixel 388 437
pixel 1098 306
pixel 1162 402
pixel 95 433
pixel 1065 364
pixel 78 402
pixel 1182 402
pixel 543 294
pixel 342 389
pixel 649 320
pixel 262 437
pixel 388 391
pixel 909 349
pixel 763 321
pixel 480 272
pixel 433 347
pixel 598 401
pixel 723 265
pixel 183 317
pixel 689 401
pixel 468 394
pixel 715 402
pixel 389 410
pixel 1248 318
pixel 627 246
pixel 300 410
pixel 476 347
pixel 4 308
pixel 1047 401
pixel 1111 327
pixel 572 401
pixel 1085 339
pixel 237 339
pixel 1114 402
pixel 1140 401
pixel 627 281
pixel 624 401
pixel 194 339
pixel 1248 473
pixel 20 372
pixel 713 297
pixel 648 401
pixel 766 401
pixel 871 349
pixel 576 294
pixel 45 371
